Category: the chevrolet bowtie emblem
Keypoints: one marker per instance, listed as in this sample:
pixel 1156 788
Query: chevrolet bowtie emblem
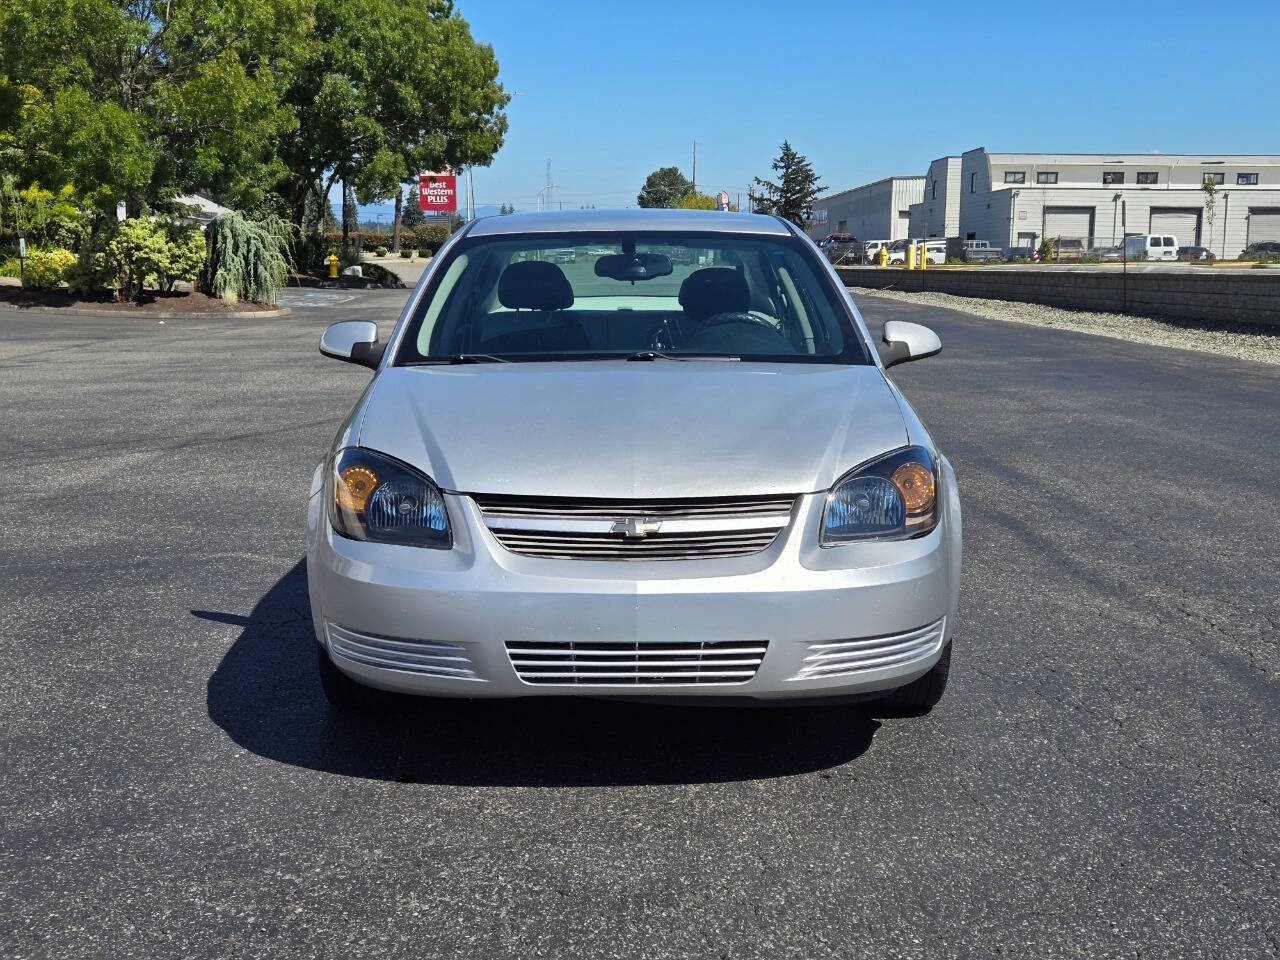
pixel 636 528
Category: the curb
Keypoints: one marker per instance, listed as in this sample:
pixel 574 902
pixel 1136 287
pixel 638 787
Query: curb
pixel 124 314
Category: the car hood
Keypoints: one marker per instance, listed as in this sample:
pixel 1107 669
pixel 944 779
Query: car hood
pixel 633 430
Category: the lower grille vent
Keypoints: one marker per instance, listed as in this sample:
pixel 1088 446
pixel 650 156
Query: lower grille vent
pixel 429 657
pixel 608 664
pixel 840 658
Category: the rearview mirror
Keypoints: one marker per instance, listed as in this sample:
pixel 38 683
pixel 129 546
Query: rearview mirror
pixel 355 341
pixel 642 266
pixel 904 342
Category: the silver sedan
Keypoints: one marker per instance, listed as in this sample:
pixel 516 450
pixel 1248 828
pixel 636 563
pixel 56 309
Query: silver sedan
pixel 671 466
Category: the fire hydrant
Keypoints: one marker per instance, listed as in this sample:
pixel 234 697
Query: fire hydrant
pixel 883 256
pixel 333 261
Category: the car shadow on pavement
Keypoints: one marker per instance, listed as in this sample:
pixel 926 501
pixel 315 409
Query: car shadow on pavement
pixel 266 695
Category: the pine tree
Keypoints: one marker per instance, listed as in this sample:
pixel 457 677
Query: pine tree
pixel 792 196
pixel 411 216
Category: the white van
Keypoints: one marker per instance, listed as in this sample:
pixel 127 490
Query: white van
pixel 935 250
pixel 1150 246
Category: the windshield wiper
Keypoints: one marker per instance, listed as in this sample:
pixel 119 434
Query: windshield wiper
pixel 459 358
pixel 656 355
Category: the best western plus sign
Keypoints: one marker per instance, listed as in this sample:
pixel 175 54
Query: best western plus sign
pixel 437 193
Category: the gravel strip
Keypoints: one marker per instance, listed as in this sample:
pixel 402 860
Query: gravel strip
pixel 1242 341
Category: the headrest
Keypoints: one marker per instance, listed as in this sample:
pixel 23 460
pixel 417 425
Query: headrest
pixel 534 285
pixel 714 290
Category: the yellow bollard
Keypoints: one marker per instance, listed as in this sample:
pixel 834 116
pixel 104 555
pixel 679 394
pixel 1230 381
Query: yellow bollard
pixel 924 255
pixel 911 256
pixel 333 262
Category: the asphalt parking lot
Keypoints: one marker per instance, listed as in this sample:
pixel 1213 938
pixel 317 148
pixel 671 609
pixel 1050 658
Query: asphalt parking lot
pixel 1103 778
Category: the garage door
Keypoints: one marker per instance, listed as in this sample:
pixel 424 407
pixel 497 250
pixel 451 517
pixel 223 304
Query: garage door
pixel 1182 222
pixel 1074 222
pixel 1264 224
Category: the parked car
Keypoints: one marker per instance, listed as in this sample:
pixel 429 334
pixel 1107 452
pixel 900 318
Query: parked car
pixel 1196 253
pixel 871 250
pixel 564 255
pixel 1069 248
pixel 1151 246
pixel 841 247
pixel 1262 250
pixel 980 250
pixel 1108 254
pixel 936 250
pixel 834 239
pixel 1021 253
pixel 546 491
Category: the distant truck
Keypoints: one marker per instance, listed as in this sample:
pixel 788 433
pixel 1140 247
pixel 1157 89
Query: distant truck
pixel 979 251
pixel 871 250
pixel 841 247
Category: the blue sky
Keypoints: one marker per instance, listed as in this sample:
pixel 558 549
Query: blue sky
pixel 611 91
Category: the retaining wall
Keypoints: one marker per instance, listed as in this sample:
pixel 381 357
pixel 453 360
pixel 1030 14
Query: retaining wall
pixel 1238 297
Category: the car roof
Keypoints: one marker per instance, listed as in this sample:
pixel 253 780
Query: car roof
pixel 612 221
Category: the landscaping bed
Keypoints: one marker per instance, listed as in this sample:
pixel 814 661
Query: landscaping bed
pixel 375 275
pixel 151 302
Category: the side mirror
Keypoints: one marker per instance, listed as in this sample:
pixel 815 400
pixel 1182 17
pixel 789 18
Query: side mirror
pixel 904 342
pixel 355 341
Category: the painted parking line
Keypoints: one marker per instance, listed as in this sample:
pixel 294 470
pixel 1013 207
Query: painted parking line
pixel 313 298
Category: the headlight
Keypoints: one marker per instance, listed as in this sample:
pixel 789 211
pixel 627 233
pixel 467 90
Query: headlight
pixel 372 497
pixel 892 498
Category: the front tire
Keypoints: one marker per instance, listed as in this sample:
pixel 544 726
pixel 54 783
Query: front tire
pixel 343 693
pixel 921 695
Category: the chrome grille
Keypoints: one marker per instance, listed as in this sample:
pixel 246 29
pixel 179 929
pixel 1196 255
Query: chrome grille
pixel 615 509
pixel 429 657
pixel 675 663
pixel 671 529
pixel 840 658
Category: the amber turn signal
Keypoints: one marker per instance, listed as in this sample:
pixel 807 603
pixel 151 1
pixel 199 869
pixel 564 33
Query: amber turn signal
pixel 355 483
pixel 916 485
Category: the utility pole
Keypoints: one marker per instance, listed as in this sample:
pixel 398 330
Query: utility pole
pixel 550 184
pixel 470 209
pixel 695 166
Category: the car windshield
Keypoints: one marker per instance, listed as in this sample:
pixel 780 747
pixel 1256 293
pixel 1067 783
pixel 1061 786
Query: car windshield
pixel 638 296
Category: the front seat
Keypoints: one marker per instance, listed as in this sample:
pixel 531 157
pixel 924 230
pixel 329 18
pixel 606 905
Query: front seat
pixel 714 290
pixel 543 289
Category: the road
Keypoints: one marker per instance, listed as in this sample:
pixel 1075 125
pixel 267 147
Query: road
pixel 1101 779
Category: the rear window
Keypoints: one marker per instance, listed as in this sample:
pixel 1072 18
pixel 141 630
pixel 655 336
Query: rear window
pixel 607 296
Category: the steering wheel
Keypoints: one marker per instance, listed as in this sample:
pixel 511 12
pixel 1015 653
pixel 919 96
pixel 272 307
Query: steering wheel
pixel 737 316
pixel 664 335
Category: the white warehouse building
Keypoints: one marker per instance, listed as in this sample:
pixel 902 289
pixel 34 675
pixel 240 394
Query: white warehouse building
pixel 938 214
pixel 874 211
pixel 1016 199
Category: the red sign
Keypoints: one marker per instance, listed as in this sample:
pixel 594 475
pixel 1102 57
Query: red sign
pixel 437 192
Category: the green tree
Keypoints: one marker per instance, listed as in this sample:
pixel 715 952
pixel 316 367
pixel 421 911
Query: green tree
pixel 506 210
pixel 1210 190
pixel 319 216
pixel 247 259
pixel 142 99
pixel 696 201
pixel 792 196
pixel 664 188
pixel 392 87
pixel 411 216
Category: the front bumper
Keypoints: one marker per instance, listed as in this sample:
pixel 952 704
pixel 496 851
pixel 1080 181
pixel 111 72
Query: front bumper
pixel 849 620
